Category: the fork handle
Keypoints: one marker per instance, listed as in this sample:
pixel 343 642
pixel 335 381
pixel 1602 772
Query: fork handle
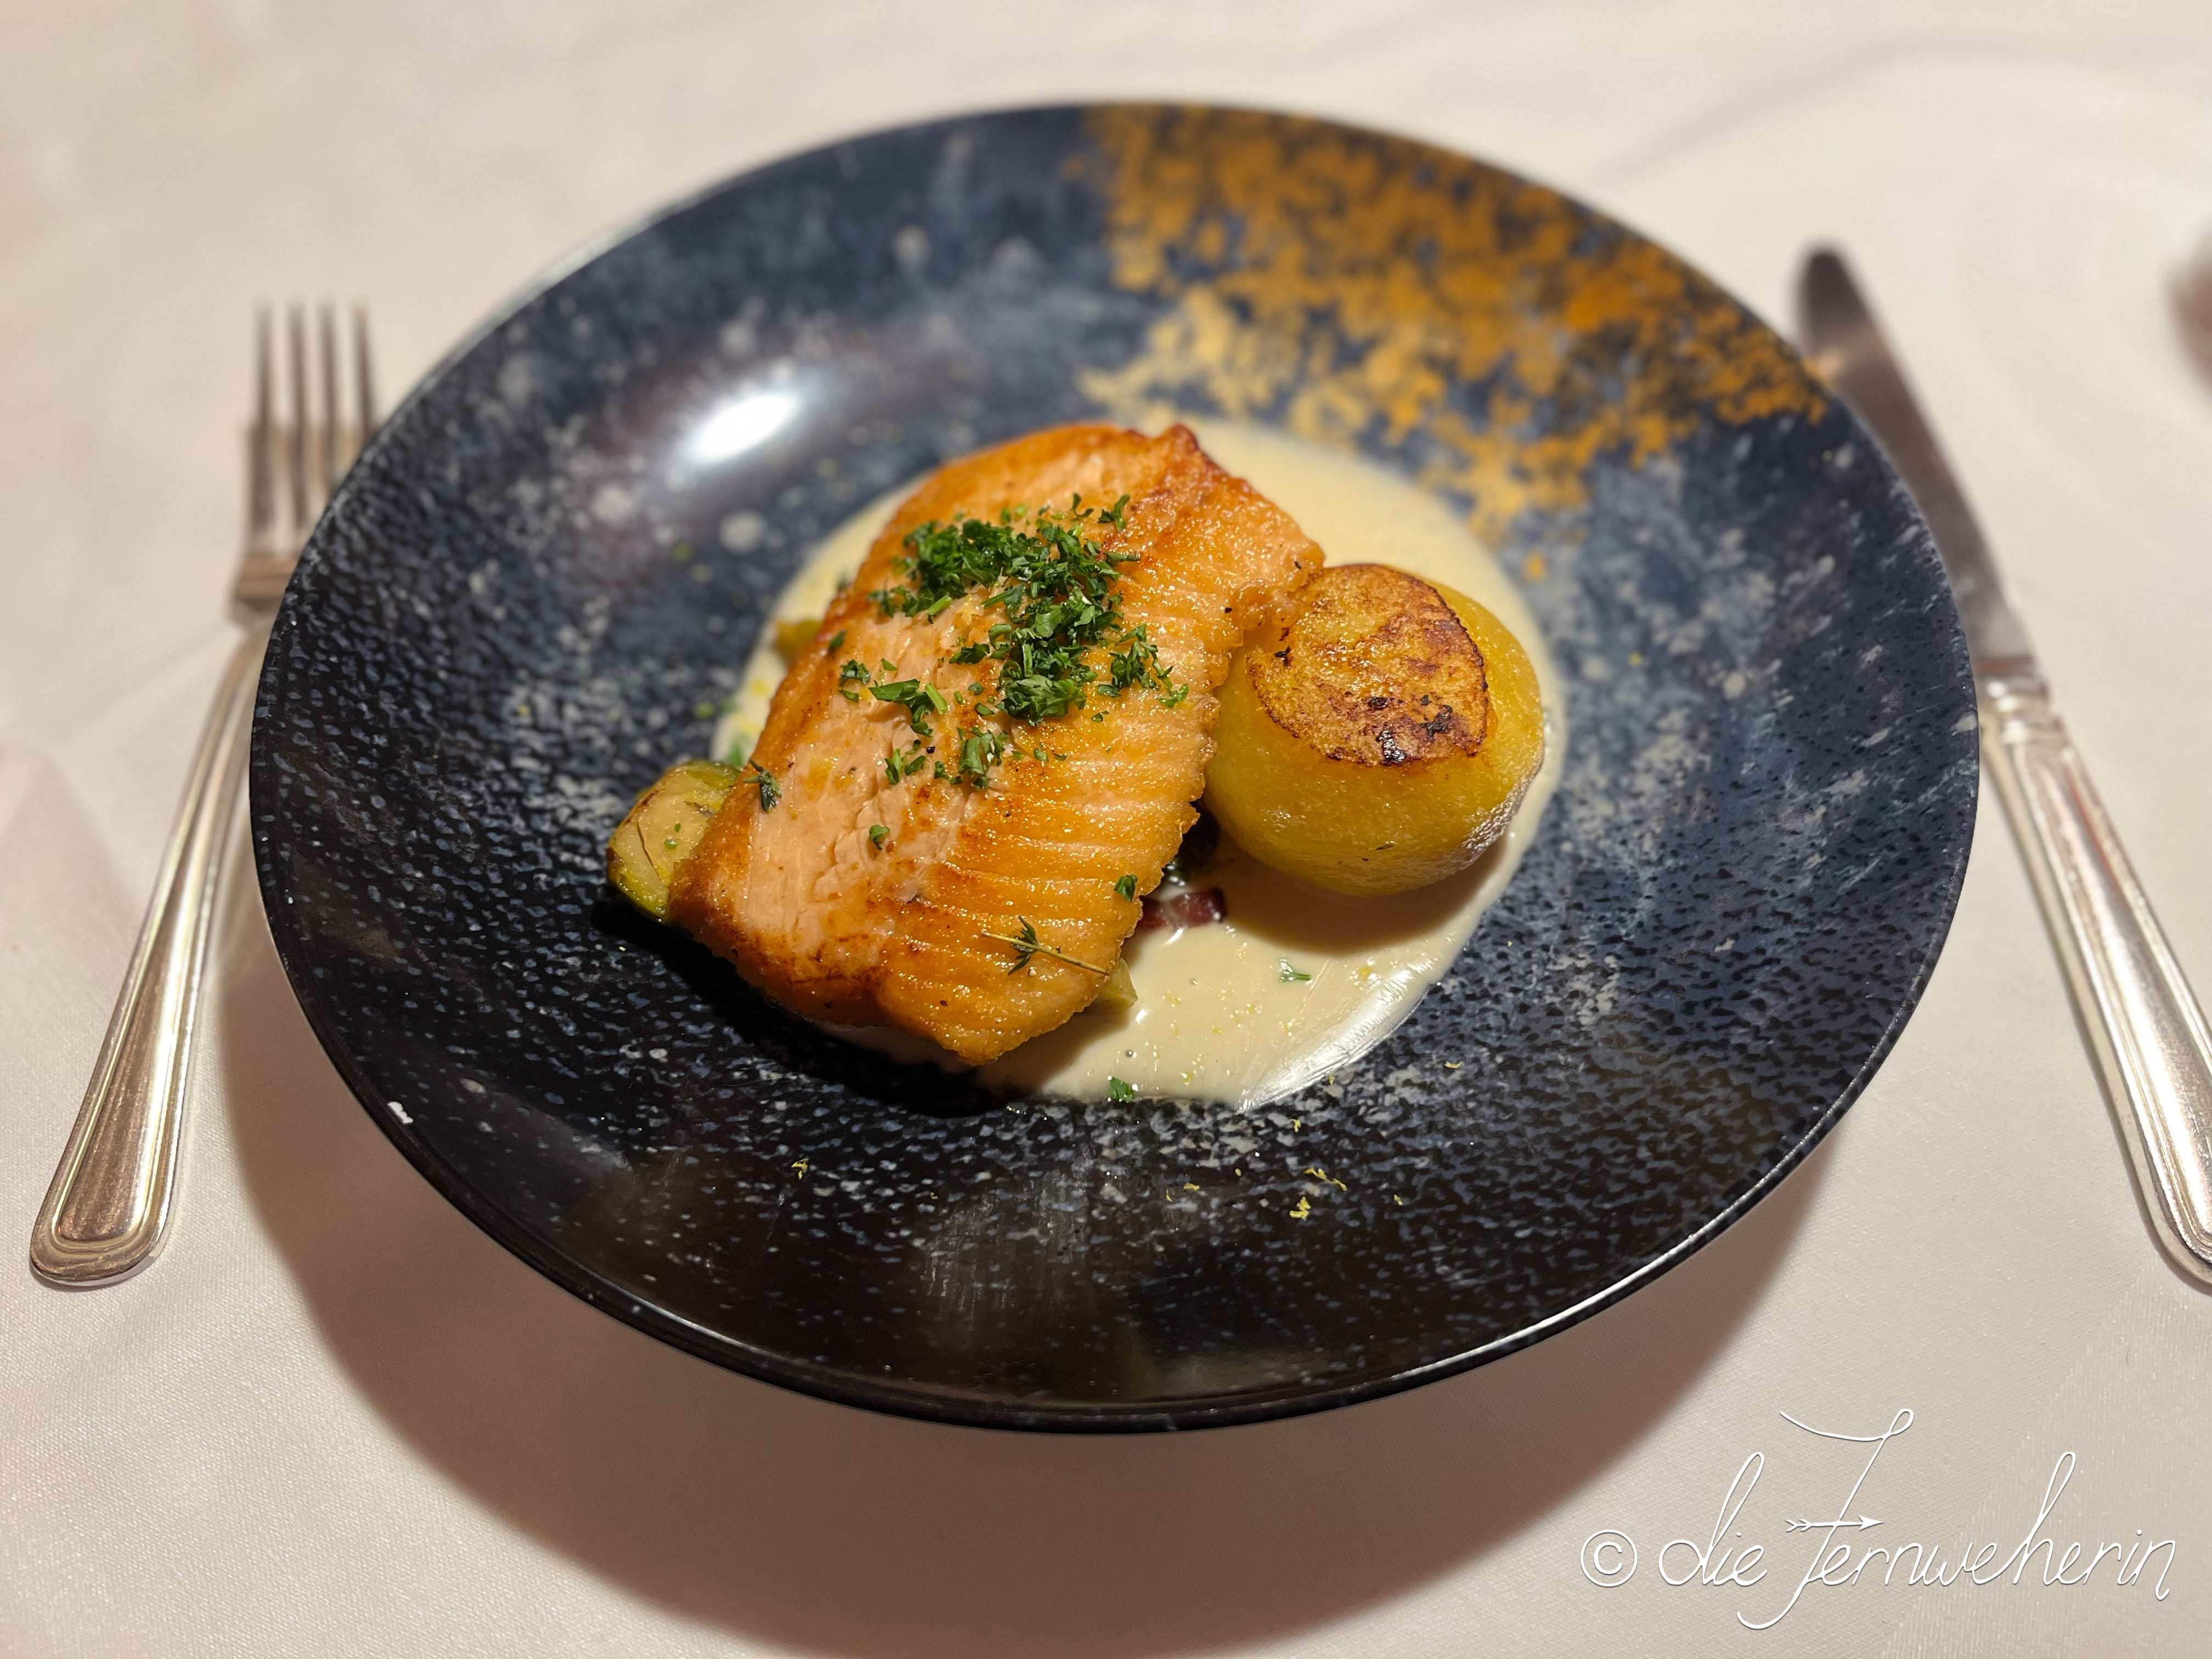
pixel 107 1211
pixel 2144 1027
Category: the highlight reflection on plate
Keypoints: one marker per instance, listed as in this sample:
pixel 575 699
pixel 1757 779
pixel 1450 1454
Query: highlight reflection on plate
pixel 552 569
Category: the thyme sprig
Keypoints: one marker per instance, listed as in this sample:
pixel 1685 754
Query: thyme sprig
pixel 1026 944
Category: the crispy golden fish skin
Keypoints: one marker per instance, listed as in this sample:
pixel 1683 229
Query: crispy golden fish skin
pixel 812 912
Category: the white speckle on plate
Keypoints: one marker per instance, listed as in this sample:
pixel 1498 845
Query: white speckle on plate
pixel 517 381
pixel 741 532
pixel 911 247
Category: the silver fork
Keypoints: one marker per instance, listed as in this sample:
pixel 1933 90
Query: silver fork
pixel 107 1211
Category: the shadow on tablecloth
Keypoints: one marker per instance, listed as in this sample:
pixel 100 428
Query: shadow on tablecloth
pixel 797 1523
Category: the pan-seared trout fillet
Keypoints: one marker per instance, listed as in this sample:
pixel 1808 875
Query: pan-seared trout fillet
pixel 896 928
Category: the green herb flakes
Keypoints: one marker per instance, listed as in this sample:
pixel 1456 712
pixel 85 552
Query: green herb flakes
pixel 981 749
pixel 1050 597
pixel 898 766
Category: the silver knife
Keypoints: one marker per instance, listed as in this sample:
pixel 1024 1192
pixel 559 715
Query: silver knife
pixel 2144 1027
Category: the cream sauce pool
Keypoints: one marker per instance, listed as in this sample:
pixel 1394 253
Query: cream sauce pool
pixel 1221 1011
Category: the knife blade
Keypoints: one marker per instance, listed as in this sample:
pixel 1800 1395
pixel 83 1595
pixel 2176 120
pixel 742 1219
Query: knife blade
pixel 1848 351
pixel 2144 1027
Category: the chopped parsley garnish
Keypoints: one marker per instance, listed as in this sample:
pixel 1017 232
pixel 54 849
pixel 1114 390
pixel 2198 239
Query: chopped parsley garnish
pixel 877 834
pixel 897 766
pixel 1055 593
pixel 918 698
pixel 765 779
pixel 1291 975
pixel 1026 944
pixel 1126 887
pixel 981 748
pixel 1136 664
pixel 836 642
pixel 1117 1090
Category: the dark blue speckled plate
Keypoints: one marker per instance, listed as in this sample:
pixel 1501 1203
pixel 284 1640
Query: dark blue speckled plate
pixel 1733 903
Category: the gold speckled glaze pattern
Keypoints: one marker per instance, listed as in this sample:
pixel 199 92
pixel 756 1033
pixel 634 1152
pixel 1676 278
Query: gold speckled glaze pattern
pixel 1346 284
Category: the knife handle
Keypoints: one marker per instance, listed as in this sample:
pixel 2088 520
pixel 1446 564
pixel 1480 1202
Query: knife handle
pixel 2145 1028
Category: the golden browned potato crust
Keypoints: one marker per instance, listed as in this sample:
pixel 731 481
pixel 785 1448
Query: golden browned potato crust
pixel 1375 667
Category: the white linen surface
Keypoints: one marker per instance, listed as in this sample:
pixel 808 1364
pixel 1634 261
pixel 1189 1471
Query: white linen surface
pixel 335 1419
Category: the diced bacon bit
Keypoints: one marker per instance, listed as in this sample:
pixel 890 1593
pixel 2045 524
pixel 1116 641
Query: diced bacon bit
pixel 1183 906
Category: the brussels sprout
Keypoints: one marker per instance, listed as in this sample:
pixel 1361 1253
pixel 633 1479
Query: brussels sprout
pixel 791 638
pixel 1117 992
pixel 662 827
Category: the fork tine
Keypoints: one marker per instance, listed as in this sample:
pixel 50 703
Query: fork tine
pixel 260 478
pixel 297 330
pixel 364 384
pixel 326 328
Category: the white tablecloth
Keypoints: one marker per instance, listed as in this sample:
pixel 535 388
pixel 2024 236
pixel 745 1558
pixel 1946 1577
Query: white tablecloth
pixel 335 1419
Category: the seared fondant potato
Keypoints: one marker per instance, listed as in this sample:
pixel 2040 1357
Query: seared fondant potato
pixel 662 827
pixel 1377 735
